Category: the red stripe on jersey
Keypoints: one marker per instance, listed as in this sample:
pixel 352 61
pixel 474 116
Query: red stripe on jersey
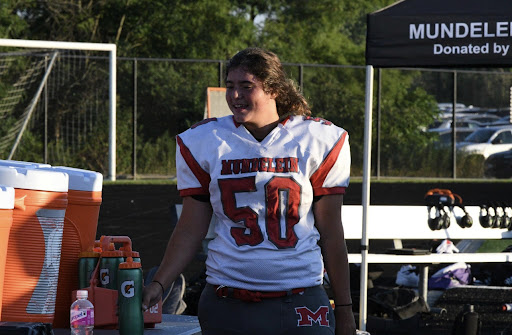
pixel 237 124
pixel 283 122
pixel 331 190
pixel 318 178
pixel 202 176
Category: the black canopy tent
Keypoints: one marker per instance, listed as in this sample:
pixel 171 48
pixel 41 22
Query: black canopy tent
pixel 440 33
pixel 428 33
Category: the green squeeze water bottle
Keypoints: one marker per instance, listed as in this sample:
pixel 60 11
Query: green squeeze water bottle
pixel 130 284
pixel 109 264
pixel 87 262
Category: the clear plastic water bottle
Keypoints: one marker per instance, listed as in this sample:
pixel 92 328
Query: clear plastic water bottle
pixel 81 315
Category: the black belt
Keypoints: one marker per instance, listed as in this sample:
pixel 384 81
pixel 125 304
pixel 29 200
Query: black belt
pixel 252 296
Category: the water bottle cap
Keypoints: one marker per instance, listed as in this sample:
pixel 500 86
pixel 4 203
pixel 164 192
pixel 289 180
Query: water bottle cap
pixel 82 294
pixel 130 264
pixel 111 253
pixel 131 253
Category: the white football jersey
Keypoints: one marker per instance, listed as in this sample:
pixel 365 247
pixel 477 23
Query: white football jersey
pixel 262 195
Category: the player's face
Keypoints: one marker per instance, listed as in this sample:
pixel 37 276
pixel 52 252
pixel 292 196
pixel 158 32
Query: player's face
pixel 248 102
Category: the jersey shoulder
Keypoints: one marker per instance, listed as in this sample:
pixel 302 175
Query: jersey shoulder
pixel 314 128
pixel 207 127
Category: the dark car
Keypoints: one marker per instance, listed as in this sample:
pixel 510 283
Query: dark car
pixel 445 137
pixel 504 120
pixel 499 165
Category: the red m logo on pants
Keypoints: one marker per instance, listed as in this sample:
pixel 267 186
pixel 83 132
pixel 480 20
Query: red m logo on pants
pixel 307 317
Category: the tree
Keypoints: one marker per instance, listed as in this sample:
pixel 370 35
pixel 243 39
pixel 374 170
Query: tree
pixel 11 21
pixel 171 95
pixel 332 32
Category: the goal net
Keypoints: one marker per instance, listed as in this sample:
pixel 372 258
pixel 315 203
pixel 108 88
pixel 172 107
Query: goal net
pixel 56 104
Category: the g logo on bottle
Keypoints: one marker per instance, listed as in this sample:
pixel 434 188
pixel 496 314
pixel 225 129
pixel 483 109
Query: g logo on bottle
pixel 104 276
pixel 128 288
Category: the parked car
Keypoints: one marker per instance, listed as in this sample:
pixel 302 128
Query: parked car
pixel 504 120
pixel 444 124
pixel 487 141
pixel 484 119
pixel 499 165
pixel 445 136
pixel 448 106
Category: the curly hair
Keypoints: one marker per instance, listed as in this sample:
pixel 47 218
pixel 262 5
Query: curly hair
pixel 266 66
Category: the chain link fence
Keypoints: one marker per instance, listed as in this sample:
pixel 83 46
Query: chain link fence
pixel 159 98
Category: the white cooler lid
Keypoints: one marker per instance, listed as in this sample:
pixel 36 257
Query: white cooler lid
pixel 6 197
pixel 34 179
pixel 5 162
pixel 80 179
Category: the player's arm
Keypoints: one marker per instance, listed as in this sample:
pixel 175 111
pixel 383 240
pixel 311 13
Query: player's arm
pixel 185 240
pixel 327 212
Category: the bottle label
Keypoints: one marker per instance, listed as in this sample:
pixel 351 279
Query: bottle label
pixel 128 288
pixel 104 277
pixel 82 317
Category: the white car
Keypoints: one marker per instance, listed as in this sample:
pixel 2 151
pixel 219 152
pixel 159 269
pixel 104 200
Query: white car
pixel 485 119
pixel 487 141
pixel 445 137
pixel 448 106
pixel 446 124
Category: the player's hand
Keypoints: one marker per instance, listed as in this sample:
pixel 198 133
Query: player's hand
pixel 151 295
pixel 345 322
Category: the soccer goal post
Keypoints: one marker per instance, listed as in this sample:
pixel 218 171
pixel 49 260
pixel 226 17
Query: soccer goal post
pixel 111 49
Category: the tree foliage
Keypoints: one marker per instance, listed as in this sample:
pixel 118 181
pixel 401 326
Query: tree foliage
pixel 171 95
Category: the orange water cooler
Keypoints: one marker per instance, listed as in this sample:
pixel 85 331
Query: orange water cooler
pixel 80 225
pixel 35 240
pixel 6 207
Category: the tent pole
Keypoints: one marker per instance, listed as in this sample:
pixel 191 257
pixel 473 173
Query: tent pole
pixel 379 93
pixel 366 196
pixel 454 127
